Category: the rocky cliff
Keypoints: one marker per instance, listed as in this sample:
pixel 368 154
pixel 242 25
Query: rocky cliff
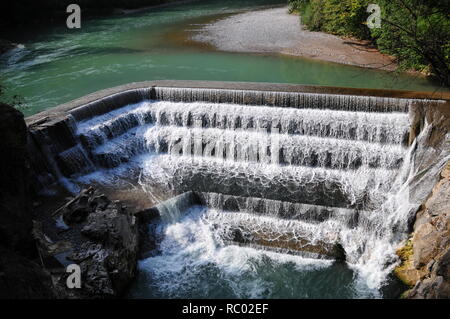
pixel 425 257
pixel 101 236
pixel 21 275
pixel 103 240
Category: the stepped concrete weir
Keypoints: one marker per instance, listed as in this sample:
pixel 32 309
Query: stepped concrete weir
pixel 321 172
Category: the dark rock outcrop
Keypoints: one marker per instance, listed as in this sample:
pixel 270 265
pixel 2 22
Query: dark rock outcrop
pixel 102 238
pixel 105 237
pixel 21 274
pixel 78 209
pixel 22 278
pixel 15 212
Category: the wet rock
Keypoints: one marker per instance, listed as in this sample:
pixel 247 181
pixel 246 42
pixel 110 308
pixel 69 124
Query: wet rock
pixel 237 236
pixel 338 252
pixel 148 221
pixel 87 202
pixel 108 249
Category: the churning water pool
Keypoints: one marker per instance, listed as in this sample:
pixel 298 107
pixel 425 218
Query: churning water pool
pixel 193 265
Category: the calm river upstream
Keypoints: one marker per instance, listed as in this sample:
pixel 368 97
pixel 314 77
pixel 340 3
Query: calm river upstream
pixel 56 65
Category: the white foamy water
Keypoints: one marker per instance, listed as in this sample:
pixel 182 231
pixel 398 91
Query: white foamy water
pixel 194 262
pixel 370 126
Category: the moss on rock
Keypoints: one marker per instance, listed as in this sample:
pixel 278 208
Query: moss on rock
pixel 406 271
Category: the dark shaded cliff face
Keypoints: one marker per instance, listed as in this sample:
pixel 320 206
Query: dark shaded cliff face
pixel 21 276
pixel 15 213
pixel 24 270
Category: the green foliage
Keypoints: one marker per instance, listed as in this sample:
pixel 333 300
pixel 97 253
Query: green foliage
pixel 311 13
pixel 416 32
pixel 340 17
pixel 297 5
pixel 345 17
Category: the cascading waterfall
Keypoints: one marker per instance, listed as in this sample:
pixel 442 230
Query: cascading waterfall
pixel 298 171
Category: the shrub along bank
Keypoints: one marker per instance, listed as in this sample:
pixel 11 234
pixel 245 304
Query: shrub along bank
pixel 416 32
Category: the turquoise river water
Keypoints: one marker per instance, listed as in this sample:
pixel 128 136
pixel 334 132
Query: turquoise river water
pixel 55 65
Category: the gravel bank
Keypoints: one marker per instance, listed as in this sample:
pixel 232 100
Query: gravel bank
pixel 277 31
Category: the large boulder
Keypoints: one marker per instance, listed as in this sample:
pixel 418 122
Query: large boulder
pixel 105 237
pixel 78 209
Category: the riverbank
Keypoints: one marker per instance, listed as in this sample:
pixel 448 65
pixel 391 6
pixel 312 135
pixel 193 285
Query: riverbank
pixel 277 31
